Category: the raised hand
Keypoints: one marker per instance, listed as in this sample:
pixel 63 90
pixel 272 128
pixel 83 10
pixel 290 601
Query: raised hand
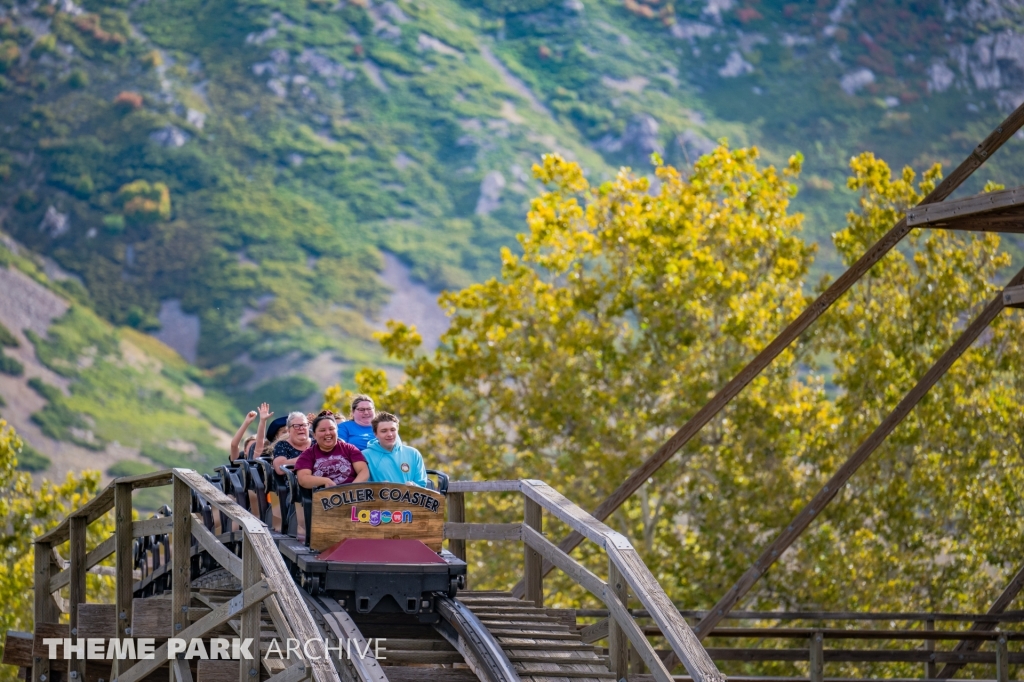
pixel 249 417
pixel 265 412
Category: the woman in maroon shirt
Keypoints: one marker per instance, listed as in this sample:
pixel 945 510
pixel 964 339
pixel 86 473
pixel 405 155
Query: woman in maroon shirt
pixel 329 461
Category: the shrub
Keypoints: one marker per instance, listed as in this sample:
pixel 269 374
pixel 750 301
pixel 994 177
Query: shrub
pixel 30 459
pixel 47 43
pixel 128 101
pixel 7 338
pixel 10 366
pixel 144 201
pixel 78 78
pixel 152 59
pixel 113 223
pixel 9 53
pixel 27 201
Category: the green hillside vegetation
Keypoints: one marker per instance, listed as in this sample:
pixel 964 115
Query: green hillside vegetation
pixel 125 387
pixel 251 158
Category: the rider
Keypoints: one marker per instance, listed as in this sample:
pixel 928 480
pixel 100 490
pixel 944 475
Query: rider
pixel 359 430
pixel 329 461
pixel 389 459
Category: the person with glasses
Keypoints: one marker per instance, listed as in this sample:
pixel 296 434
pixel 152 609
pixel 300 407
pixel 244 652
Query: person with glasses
pixel 288 449
pixel 359 431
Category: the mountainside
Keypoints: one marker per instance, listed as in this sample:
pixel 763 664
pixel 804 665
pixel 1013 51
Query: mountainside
pixel 244 179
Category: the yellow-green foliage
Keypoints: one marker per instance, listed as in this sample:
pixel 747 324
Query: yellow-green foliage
pixel 145 201
pixel 26 513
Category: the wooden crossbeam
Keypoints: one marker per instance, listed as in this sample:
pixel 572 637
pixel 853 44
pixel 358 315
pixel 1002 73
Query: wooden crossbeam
pixel 1013 297
pixel 945 211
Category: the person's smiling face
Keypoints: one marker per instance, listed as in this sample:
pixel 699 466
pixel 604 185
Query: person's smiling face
pixel 363 413
pixel 326 434
pixel 298 433
pixel 387 434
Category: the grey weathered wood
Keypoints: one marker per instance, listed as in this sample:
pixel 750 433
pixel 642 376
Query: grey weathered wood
pixel 1013 297
pixel 152 617
pixel 181 670
pixel 858 655
pixel 599 589
pixel 152 479
pixel 483 487
pixel 220 615
pixel 787 336
pixel 160 525
pixel 920 616
pixel 250 625
pixel 181 556
pixel 456 515
pixel 813 509
pixel 817 658
pixel 481 531
pixel 97 620
pixel 18 649
pixel 76 593
pixel 102 551
pixel 618 643
pixel 533 565
pixel 1002 661
pixel 124 581
pixel 44 608
pixel 930 214
pixel 596 632
pixel 216 549
pixel 293 673
pixel 929 645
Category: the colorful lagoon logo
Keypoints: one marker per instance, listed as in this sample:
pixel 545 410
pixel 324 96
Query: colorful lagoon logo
pixel 376 517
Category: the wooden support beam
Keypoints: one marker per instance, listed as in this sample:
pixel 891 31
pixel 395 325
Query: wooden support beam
pixel 181 556
pixel 1001 603
pixel 1002 661
pixel 929 645
pixel 482 531
pixel 1013 297
pixel 533 565
pixel 77 596
pixel 813 509
pixel 817 657
pixel 208 541
pixel 159 525
pixel 875 253
pixel 944 211
pixel 248 671
pixel 246 600
pixel 91 510
pixel 618 643
pixel 294 673
pixel 124 580
pixel 102 551
pixel 456 515
pixel 44 608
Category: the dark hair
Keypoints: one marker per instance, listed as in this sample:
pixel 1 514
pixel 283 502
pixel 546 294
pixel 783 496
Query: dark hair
pixel 326 414
pixel 360 398
pixel 383 417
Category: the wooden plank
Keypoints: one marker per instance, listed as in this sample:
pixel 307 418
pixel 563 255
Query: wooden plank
pixel 294 673
pixel 858 655
pixel 44 608
pixel 919 616
pixel 1002 661
pixel 599 589
pixel 533 564
pixel 218 671
pixel 220 615
pixel 102 551
pixel 481 531
pixel 181 671
pixel 929 645
pixel 181 555
pixel 161 525
pixel 787 336
pixel 456 517
pixel 596 632
pixel 97 620
pixel 124 583
pixel 18 649
pixel 77 532
pixel 927 635
pixel 618 644
pixel 152 479
pixel 350 511
pixel 208 541
pixel 250 620
pixel 839 479
pixel 49 631
pixel 817 658
pixel 152 617
pixel 483 487
pixel 91 510
pixel 979 203
pixel 1013 296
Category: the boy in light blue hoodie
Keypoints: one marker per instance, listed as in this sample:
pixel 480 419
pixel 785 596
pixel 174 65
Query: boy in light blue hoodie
pixel 389 460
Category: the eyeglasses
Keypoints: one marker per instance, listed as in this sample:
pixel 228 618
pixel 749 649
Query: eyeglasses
pixel 298 426
pixel 364 409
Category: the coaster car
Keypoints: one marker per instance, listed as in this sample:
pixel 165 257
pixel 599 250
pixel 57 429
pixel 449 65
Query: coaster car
pixel 373 547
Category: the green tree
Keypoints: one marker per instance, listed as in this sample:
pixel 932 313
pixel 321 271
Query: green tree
pixel 27 512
